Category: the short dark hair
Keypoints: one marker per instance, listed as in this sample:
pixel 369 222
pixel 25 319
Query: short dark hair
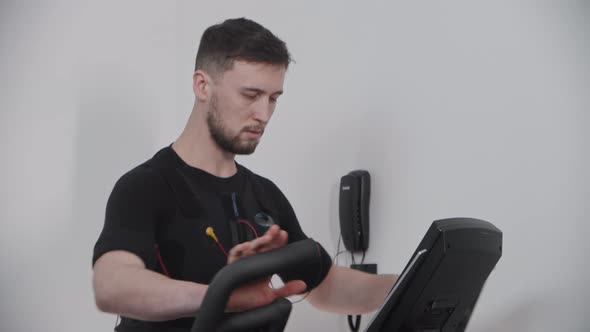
pixel 239 39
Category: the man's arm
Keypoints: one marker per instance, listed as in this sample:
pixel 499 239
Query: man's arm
pixel 348 291
pixel 123 285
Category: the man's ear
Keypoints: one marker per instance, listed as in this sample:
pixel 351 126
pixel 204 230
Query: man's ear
pixel 201 85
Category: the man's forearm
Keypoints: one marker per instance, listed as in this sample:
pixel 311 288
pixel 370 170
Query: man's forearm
pixel 348 291
pixel 146 295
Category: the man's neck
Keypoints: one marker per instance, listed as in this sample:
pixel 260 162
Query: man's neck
pixel 197 149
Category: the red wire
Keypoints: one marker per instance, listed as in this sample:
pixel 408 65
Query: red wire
pixel 243 222
pixel 249 225
pixel 221 247
pixel 164 269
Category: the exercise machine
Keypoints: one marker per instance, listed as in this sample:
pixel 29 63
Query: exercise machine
pixel 436 292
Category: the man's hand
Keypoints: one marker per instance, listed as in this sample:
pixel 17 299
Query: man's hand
pixel 273 238
pixel 258 293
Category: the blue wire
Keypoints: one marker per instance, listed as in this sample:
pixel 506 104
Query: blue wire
pixel 233 199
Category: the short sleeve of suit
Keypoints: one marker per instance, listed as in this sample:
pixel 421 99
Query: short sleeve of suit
pixel 134 206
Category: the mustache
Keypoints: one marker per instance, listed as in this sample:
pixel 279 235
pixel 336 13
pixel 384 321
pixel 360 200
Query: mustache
pixel 259 129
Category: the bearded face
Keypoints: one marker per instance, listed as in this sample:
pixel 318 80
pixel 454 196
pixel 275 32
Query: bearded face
pixel 242 142
pixel 241 102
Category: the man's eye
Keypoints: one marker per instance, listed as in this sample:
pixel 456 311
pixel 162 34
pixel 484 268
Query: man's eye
pixel 251 96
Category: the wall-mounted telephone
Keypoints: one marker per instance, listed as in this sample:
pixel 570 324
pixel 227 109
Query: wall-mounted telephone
pixel 355 190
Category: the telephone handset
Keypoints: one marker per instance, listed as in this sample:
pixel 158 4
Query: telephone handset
pixel 355 190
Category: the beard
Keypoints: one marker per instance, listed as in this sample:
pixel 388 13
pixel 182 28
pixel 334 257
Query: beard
pixel 223 138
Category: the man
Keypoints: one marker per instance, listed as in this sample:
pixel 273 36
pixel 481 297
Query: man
pixel 169 221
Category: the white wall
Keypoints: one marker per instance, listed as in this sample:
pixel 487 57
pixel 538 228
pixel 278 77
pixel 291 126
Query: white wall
pixel 456 109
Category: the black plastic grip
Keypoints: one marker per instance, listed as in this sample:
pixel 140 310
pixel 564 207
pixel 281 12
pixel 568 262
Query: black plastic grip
pixel 272 317
pixel 296 255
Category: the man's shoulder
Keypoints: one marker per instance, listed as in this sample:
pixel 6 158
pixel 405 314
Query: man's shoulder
pixel 265 188
pixel 258 179
pixel 145 177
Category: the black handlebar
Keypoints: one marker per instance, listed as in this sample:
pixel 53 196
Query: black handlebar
pixel 291 257
pixel 272 317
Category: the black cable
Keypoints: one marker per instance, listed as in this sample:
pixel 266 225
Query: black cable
pixel 336 257
pixel 354 327
pixel 354 261
pixel 338 252
pixel 337 249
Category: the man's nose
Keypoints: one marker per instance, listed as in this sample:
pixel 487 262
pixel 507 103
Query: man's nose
pixel 263 110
